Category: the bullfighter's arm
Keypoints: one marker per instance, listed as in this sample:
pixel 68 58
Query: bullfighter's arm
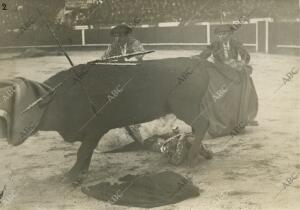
pixel 206 53
pixel 243 52
pixel 107 53
pixel 138 47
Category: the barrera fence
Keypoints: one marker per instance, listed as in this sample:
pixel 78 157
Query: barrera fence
pixel 260 35
pixel 163 29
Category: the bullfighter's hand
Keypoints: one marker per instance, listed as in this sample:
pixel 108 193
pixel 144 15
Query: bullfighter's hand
pixel 231 62
pixel 197 57
pixel 248 69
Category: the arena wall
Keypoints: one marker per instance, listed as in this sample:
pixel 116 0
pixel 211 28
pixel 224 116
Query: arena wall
pixel 260 35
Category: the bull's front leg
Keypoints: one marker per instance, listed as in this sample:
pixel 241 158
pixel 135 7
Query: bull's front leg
pixel 84 156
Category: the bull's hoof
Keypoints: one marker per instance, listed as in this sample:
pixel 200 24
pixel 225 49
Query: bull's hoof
pixel 73 178
pixel 206 153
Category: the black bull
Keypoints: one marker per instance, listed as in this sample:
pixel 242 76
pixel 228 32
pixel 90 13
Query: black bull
pixel 126 95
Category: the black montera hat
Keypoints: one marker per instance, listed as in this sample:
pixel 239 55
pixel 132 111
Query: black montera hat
pixel 224 28
pixel 121 29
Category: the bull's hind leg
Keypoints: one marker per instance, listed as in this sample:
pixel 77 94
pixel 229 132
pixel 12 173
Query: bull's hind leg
pixel 188 110
pixel 200 127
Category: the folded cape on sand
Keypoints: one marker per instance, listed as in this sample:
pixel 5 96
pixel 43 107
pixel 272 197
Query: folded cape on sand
pixel 15 95
pixel 146 191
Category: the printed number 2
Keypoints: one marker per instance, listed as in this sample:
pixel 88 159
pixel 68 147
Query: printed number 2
pixel 4 6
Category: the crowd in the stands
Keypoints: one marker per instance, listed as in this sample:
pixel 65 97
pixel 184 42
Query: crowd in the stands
pixel 109 12
pixel 154 11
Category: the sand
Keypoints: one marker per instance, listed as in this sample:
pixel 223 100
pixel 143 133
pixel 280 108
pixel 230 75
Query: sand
pixel 247 171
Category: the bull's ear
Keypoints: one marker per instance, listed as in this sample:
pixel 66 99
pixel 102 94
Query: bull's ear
pixel 4 124
pixel 3 128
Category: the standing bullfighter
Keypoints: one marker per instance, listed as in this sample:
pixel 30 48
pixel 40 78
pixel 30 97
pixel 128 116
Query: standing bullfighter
pixel 231 99
pixel 123 43
pixel 225 49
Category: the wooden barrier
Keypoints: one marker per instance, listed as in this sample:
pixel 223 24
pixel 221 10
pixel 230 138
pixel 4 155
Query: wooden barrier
pixel 260 35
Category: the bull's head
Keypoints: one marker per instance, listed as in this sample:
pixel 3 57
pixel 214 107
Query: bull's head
pixel 16 125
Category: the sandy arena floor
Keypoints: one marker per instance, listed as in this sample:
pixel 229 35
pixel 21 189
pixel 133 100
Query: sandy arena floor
pixel 246 173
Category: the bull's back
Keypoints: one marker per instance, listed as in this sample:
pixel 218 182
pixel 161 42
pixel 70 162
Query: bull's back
pixel 123 95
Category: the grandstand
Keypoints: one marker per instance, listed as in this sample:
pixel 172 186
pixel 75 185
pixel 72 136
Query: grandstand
pixel 108 12
pixel 153 11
